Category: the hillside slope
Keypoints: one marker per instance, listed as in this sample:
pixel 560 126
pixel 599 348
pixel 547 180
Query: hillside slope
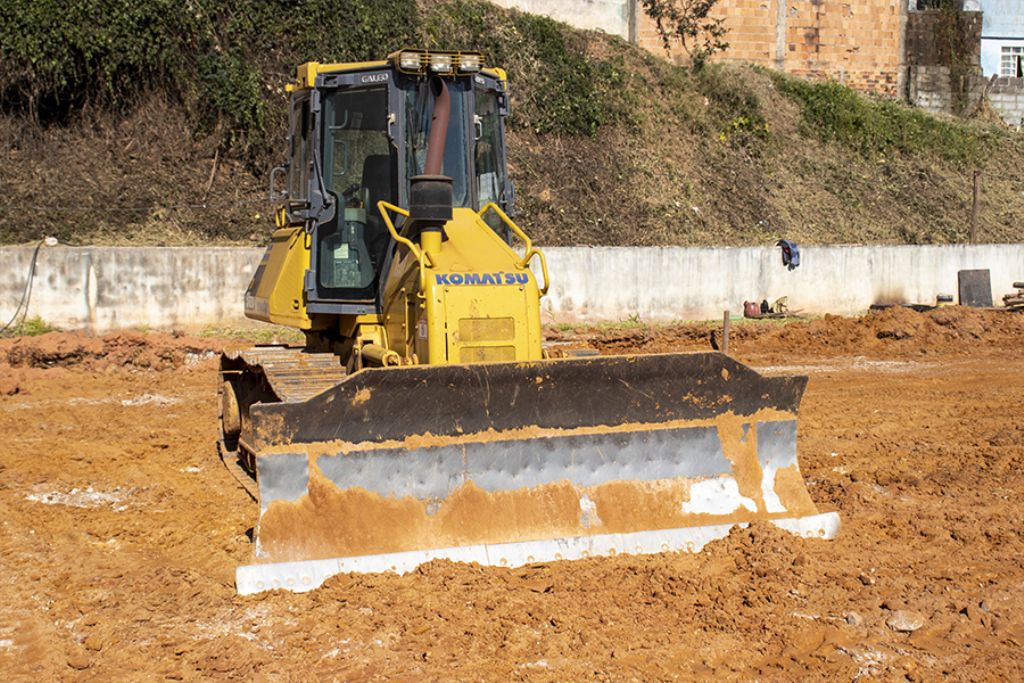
pixel 156 124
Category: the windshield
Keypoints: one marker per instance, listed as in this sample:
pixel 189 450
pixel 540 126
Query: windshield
pixel 419 108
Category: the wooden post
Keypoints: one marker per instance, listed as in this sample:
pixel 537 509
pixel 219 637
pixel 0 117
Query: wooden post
pixel 974 207
pixel 725 333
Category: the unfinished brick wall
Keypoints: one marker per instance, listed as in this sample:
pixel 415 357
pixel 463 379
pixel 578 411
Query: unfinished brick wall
pixel 937 38
pixel 751 36
pixel 856 42
pixel 943 60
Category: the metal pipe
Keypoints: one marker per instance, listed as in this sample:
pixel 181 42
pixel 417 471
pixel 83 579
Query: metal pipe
pixel 438 131
pixel 725 332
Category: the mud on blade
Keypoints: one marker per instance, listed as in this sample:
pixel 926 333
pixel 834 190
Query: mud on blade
pixel 508 463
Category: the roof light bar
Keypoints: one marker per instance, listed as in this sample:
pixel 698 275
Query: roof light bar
pixel 441 63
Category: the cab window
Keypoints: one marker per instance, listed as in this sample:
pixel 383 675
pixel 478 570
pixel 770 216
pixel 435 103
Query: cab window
pixel 299 152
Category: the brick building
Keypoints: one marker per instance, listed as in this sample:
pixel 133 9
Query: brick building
pixel 908 49
pixel 859 43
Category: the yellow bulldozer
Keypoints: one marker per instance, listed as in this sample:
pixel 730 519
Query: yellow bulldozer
pixel 422 417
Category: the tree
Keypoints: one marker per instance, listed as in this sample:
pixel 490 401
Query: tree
pixel 687 21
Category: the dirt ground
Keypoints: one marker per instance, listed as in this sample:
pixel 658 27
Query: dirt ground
pixel 120 531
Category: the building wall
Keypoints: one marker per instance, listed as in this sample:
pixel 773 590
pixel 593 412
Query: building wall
pixel 103 288
pixel 1006 95
pixel 1003 17
pixel 1003 25
pixel 859 44
pixel 611 16
pixel 937 87
pixel 991 51
pixel 751 24
pixel 932 83
pixel 930 89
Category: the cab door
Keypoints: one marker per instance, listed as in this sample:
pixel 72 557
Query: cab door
pixel 358 168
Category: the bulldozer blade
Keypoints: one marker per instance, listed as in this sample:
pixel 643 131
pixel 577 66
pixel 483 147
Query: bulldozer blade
pixel 515 463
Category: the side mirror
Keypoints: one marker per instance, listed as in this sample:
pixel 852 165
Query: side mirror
pixel 273 195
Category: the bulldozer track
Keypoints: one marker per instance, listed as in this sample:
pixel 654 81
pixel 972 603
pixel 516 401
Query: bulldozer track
pixel 293 373
pixel 275 374
pixel 230 460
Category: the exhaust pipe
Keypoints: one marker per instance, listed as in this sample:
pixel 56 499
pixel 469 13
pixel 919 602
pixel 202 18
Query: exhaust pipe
pixel 438 129
pixel 430 194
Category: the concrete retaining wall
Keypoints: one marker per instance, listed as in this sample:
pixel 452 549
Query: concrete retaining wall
pixel 609 283
pixel 104 288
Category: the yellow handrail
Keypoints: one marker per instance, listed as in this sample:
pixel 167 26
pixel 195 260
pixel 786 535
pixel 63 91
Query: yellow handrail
pixel 421 256
pixel 530 252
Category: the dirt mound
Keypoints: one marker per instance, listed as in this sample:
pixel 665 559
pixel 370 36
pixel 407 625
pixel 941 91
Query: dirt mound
pixel 891 331
pixel 945 329
pixel 155 351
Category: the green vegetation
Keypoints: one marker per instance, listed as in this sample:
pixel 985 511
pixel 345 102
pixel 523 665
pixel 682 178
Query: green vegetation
pixel 215 55
pixel 156 121
pixel 225 60
pixel 30 327
pixel 873 125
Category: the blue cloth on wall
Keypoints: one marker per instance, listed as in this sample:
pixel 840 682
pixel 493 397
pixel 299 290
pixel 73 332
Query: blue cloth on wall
pixel 790 253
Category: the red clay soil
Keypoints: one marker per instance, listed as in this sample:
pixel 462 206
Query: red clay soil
pixel 155 350
pixel 120 531
pixel 118 351
pixel 891 332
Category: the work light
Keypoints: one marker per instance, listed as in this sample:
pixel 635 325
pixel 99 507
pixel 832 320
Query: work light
pixel 469 63
pixel 440 63
pixel 410 61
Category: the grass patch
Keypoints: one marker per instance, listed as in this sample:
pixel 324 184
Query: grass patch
pixel 30 327
pixel 873 126
pixel 268 334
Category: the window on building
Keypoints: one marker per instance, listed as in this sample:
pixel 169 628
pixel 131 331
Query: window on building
pixel 1012 63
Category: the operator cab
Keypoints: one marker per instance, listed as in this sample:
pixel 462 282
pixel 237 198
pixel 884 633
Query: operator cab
pixel 357 135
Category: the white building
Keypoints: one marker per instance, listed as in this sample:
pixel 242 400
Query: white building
pixel 1002 38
